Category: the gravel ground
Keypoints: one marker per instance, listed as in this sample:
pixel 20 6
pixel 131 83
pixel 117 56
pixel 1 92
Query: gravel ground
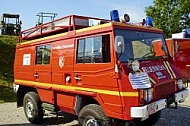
pixel 12 116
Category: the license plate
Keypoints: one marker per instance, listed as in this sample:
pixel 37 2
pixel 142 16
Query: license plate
pixel 151 108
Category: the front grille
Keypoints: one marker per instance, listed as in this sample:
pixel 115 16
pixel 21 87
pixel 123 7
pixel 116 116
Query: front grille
pixel 164 90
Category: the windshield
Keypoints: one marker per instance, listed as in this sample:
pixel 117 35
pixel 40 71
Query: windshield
pixel 142 45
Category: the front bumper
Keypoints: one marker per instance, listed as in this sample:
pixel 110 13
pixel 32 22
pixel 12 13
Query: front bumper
pixel 145 111
pixel 180 96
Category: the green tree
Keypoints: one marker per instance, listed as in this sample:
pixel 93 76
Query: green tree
pixel 170 15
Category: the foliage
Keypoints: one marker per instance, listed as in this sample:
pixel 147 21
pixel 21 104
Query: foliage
pixel 172 16
pixel 7 52
pixel 7 94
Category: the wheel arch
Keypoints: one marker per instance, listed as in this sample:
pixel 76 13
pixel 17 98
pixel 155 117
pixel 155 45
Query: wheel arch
pixel 82 101
pixel 22 90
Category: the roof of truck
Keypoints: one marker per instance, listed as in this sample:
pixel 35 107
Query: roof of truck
pixel 78 24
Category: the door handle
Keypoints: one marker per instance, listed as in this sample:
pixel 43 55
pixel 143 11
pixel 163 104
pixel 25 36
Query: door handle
pixel 77 78
pixel 36 75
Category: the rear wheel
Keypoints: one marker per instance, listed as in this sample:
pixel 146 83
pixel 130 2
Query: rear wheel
pixel 32 108
pixel 92 115
pixel 153 119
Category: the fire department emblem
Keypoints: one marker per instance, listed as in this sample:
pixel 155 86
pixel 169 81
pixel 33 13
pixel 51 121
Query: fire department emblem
pixel 61 61
pixel 160 75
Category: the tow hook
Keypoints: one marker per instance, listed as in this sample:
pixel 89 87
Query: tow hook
pixel 173 106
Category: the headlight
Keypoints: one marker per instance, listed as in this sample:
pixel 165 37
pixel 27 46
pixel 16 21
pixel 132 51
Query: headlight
pixel 147 94
pixel 134 65
pixel 179 84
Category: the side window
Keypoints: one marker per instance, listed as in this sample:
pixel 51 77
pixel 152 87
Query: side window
pixel 43 54
pixel 94 50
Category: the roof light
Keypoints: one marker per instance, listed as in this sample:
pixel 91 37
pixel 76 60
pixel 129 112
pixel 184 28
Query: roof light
pixel 125 18
pixel 114 15
pixel 149 21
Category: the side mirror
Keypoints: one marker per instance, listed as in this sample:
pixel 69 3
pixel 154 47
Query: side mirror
pixel 177 49
pixel 119 44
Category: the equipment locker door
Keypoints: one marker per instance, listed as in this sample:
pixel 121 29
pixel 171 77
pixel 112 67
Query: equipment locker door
pixel 42 69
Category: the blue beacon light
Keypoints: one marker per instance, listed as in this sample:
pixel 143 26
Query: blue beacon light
pixel 114 16
pixel 149 21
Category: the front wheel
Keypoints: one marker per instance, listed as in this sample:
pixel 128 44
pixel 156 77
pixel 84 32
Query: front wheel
pixel 32 108
pixel 92 115
pixel 153 119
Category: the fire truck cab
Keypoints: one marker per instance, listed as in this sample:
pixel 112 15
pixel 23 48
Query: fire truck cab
pixel 105 72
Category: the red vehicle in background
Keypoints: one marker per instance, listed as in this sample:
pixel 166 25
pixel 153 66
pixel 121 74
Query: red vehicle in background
pixel 179 49
pixel 105 73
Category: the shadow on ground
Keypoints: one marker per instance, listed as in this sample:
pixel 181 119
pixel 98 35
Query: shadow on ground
pixel 51 119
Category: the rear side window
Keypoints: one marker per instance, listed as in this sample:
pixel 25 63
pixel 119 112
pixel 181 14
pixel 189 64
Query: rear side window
pixel 94 50
pixel 43 54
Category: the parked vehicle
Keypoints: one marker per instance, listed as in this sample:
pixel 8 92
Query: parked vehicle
pixel 106 72
pixel 179 49
pixel 10 24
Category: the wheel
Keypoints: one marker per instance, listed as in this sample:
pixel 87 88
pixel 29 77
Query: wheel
pixel 153 119
pixel 92 115
pixel 32 108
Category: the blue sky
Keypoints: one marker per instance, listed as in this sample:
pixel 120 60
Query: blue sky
pixel 28 9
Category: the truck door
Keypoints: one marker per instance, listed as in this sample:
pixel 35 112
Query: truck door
pixel 93 62
pixel 42 72
pixel 95 69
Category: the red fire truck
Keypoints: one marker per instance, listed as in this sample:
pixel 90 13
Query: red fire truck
pixel 179 49
pixel 103 71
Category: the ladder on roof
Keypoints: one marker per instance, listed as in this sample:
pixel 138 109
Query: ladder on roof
pixel 64 24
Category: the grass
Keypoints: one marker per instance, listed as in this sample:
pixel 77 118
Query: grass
pixel 7 53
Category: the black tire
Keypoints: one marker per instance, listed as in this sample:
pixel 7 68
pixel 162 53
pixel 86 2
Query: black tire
pixel 93 114
pixel 153 119
pixel 33 108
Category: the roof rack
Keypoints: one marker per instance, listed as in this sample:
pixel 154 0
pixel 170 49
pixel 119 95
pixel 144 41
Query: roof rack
pixel 65 24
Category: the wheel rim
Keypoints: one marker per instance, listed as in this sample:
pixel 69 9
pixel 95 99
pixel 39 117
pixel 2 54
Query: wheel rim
pixel 29 109
pixel 92 122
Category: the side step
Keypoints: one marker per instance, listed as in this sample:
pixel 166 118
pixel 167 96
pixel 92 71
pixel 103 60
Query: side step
pixel 49 107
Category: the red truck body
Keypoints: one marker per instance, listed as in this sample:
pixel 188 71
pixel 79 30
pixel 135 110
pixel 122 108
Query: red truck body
pixel 179 49
pixel 99 73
